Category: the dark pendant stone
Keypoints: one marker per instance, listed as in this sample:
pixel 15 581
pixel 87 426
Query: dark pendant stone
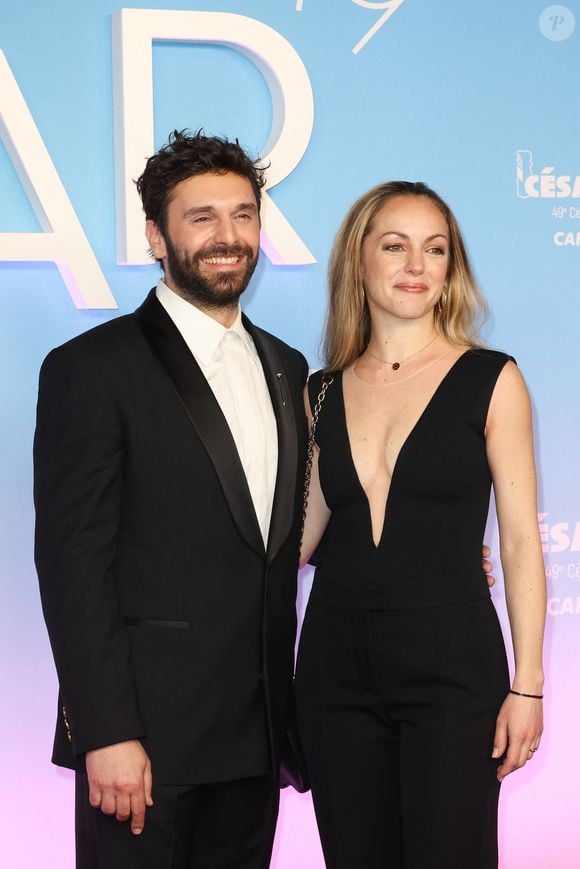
pixel 396 366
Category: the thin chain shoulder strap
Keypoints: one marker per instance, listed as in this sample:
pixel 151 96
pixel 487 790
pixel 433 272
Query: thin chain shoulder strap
pixel 310 451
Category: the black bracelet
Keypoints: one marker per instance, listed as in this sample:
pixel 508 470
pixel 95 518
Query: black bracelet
pixel 532 696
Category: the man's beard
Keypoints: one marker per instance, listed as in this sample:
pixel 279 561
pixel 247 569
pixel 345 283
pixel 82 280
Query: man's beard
pixel 219 290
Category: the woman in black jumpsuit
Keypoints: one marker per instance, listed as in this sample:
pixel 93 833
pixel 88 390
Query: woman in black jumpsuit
pixel 402 684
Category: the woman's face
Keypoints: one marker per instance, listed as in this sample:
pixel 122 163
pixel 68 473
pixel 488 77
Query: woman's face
pixel 406 258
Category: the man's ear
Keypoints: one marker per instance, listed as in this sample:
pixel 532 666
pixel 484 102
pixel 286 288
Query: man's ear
pixel 155 239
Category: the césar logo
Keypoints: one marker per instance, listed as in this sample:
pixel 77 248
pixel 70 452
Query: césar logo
pixel 543 185
pixel 559 537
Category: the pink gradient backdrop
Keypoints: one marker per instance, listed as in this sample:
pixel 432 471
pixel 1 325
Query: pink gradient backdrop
pixel 452 94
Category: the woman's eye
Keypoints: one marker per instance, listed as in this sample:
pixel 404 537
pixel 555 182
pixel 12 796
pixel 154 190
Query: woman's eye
pixel 393 247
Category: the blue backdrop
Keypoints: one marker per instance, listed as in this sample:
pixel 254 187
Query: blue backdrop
pixel 481 101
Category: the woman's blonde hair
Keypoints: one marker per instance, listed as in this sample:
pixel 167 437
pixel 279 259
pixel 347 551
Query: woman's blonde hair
pixel 458 314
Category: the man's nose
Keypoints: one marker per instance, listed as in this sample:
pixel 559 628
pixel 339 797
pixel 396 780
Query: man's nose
pixel 225 231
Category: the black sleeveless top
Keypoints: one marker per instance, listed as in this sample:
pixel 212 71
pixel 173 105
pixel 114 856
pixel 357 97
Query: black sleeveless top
pixel 430 548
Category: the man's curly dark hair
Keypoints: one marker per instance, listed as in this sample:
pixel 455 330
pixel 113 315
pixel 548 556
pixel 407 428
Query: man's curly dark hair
pixel 186 155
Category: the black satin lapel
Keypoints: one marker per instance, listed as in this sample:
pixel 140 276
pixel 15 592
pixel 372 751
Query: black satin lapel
pixel 285 491
pixel 204 413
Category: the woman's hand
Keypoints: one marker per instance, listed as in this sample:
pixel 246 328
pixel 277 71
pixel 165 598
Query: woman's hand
pixel 518 731
pixel 487 565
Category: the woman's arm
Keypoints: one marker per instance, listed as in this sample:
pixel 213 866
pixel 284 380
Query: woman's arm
pixel 317 513
pixel 511 459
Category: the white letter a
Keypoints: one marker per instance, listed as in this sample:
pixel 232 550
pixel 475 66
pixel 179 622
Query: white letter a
pixel 64 241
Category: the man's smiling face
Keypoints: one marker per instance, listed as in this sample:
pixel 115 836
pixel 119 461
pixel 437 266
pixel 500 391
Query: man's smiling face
pixel 211 242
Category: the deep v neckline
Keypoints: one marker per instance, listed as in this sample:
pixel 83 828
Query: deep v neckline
pixel 409 437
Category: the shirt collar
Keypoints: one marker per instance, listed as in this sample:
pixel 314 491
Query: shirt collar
pixel 201 332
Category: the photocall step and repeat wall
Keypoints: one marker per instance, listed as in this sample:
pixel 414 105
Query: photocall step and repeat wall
pixel 480 100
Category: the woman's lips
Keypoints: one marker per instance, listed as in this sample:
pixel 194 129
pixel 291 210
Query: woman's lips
pixel 411 288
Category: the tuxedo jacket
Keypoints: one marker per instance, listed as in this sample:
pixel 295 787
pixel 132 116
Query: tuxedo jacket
pixel 169 620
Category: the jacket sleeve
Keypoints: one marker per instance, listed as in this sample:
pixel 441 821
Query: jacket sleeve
pixel 78 479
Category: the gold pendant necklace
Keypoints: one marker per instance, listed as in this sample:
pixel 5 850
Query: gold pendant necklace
pixel 402 379
pixel 396 365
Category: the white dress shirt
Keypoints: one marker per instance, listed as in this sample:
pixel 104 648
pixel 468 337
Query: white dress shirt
pixel 232 368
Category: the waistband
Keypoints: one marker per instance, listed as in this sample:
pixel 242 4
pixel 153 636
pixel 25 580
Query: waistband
pixel 400 594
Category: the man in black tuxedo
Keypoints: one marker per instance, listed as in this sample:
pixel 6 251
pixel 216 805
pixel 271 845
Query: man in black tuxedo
pixel 169 457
